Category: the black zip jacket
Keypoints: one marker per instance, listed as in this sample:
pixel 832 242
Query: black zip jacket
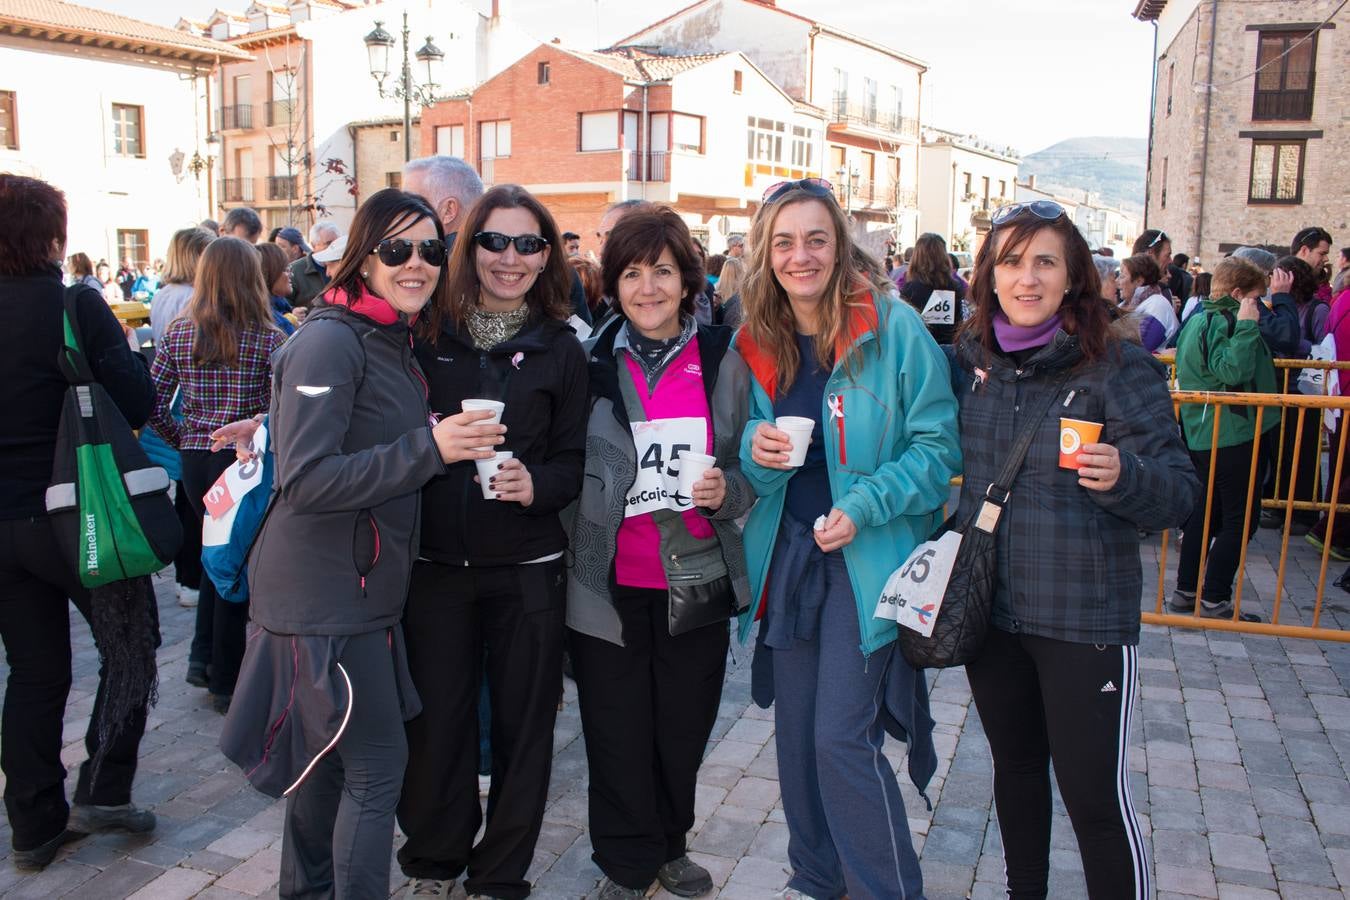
pixel 31 335
pixel 540 374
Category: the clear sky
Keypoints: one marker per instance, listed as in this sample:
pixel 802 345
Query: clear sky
pixel 1022 72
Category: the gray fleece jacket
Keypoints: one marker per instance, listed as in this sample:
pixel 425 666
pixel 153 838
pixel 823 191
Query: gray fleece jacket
pixel 350 428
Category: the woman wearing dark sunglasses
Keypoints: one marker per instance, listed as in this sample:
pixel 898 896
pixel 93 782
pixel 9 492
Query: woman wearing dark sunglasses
pixel 490 574
pixel 324 690
pixel 1058 679
pixel 827 340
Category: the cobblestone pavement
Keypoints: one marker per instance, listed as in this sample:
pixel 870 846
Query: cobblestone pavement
pixel 1238 767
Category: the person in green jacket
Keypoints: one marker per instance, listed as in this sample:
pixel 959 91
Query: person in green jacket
pixel 1221 349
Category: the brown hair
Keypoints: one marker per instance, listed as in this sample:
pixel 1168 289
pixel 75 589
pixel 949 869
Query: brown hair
pixel 228 298
pixel 387 212
pixel 185 250
pixel 549 296
pixel 80 265
pixel 1083 313
pixel 1143 269
pixel 32 224
pixel 589 273
pixel 931 266
pixel 769 321
pixel 274 261
pixel 1305 281
pixel 640 237
pixel 1236 273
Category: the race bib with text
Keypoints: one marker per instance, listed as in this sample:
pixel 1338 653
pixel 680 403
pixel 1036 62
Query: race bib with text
pixel 658 444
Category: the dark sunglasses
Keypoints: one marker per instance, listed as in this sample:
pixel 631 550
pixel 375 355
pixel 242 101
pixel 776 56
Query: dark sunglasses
pixel 397 251
pixel 1041 209
pixel 526 244
pixel 817 187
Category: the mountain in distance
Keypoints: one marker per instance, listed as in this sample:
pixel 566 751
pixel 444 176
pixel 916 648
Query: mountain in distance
pixel 1112 167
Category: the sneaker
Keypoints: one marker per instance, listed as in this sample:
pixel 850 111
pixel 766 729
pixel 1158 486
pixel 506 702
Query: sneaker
pixel 187 597
pixel 1224 610
pixel 611 890
pixel 40 857
pixel 1182 601
pixel 86 818
pixel 1271 518
pixel 1340 554
pixel 788 893
pixel 430 887
pixel 197 674
pixel 685 878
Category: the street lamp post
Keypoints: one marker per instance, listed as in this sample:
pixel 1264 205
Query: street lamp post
pixel 378 44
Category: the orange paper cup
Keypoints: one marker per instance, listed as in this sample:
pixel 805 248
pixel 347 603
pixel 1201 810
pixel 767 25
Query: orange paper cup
pixel 1073 434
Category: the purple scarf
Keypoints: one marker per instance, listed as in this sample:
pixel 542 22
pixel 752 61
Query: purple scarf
pixel 1013 338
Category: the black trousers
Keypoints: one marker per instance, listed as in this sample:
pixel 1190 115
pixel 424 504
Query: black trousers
pixel 647 709
pixel 219 636
pixel 187 565
pixel 35 584
pixel 1041 700
pixel 1232 471
pixel 454 614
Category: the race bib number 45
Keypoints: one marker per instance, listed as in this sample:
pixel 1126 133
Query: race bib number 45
pixel 658 444
pixel 913 594
pixel 940 309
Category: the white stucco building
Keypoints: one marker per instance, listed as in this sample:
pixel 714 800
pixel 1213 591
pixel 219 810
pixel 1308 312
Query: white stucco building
pixel 112 111
pixel 961 180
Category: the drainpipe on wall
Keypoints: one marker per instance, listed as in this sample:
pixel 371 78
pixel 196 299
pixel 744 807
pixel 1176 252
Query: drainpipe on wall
pixel 644 129
pixel 1196 249
pixel 1152 117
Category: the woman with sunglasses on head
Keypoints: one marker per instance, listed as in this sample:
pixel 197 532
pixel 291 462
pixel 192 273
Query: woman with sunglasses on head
pixel 489 578
pixel 324 689
pixel 1057 679
pixel 656 573
pixel 827 340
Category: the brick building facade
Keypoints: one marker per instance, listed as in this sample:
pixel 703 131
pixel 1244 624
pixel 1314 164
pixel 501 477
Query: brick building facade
pixel 1241 156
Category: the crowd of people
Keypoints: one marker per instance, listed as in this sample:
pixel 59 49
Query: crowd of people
pixel 465 493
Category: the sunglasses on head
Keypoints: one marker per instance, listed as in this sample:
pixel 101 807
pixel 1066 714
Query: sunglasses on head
pixel 818 187
pixel 1161 238
pixel 1041 209
pixel 397 251
pixel 495 241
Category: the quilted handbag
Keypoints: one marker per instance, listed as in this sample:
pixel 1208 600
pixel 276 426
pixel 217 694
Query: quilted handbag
pixel 962 621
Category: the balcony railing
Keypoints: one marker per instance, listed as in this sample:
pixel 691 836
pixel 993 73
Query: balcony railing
pixel 1276 106
pixel 231 117
pixel 282 187
pixel 281 112
pixel 879 194
pixel 236 190
pixel 658 166
pixel 868 116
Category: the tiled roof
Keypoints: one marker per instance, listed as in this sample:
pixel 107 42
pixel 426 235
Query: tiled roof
pixel 93 26
pixel 638 64
pixel 259 37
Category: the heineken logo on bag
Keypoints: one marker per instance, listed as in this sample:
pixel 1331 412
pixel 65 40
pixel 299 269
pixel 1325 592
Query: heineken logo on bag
pixel 91 544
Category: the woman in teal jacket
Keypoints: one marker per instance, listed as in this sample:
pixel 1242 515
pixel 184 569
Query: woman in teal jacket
pixel 826 340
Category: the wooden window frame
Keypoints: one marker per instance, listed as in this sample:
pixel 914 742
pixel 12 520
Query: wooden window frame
pixel 145 242
pixel 1277 143
pixel 140 131
pixel 1273 98
pixel 13 102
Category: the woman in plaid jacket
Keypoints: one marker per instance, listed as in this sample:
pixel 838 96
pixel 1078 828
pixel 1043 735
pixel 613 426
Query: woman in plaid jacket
pixel 1057 678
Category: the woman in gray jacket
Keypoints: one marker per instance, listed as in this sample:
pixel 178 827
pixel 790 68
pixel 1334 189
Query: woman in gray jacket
pixel 323 690
pixel 656 574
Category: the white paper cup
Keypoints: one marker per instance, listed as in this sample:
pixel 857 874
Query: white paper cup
pixel 487 468
pixel 798 430
pixel 496 406
pixel 692 467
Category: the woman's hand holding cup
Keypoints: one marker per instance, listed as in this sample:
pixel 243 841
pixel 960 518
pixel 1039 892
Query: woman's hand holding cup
pixel 770 447
pixel 468 435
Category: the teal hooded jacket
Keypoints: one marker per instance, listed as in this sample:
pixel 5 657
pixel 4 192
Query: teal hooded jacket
pixel 890 427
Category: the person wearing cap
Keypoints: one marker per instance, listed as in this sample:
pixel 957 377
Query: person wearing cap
pixel 293 242
pixel 309 276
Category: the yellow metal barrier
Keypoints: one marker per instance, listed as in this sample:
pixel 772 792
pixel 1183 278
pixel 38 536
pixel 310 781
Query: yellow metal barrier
pixel 1299 405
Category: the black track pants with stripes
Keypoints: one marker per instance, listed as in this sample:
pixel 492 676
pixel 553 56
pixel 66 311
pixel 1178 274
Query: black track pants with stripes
pixel 1042 700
